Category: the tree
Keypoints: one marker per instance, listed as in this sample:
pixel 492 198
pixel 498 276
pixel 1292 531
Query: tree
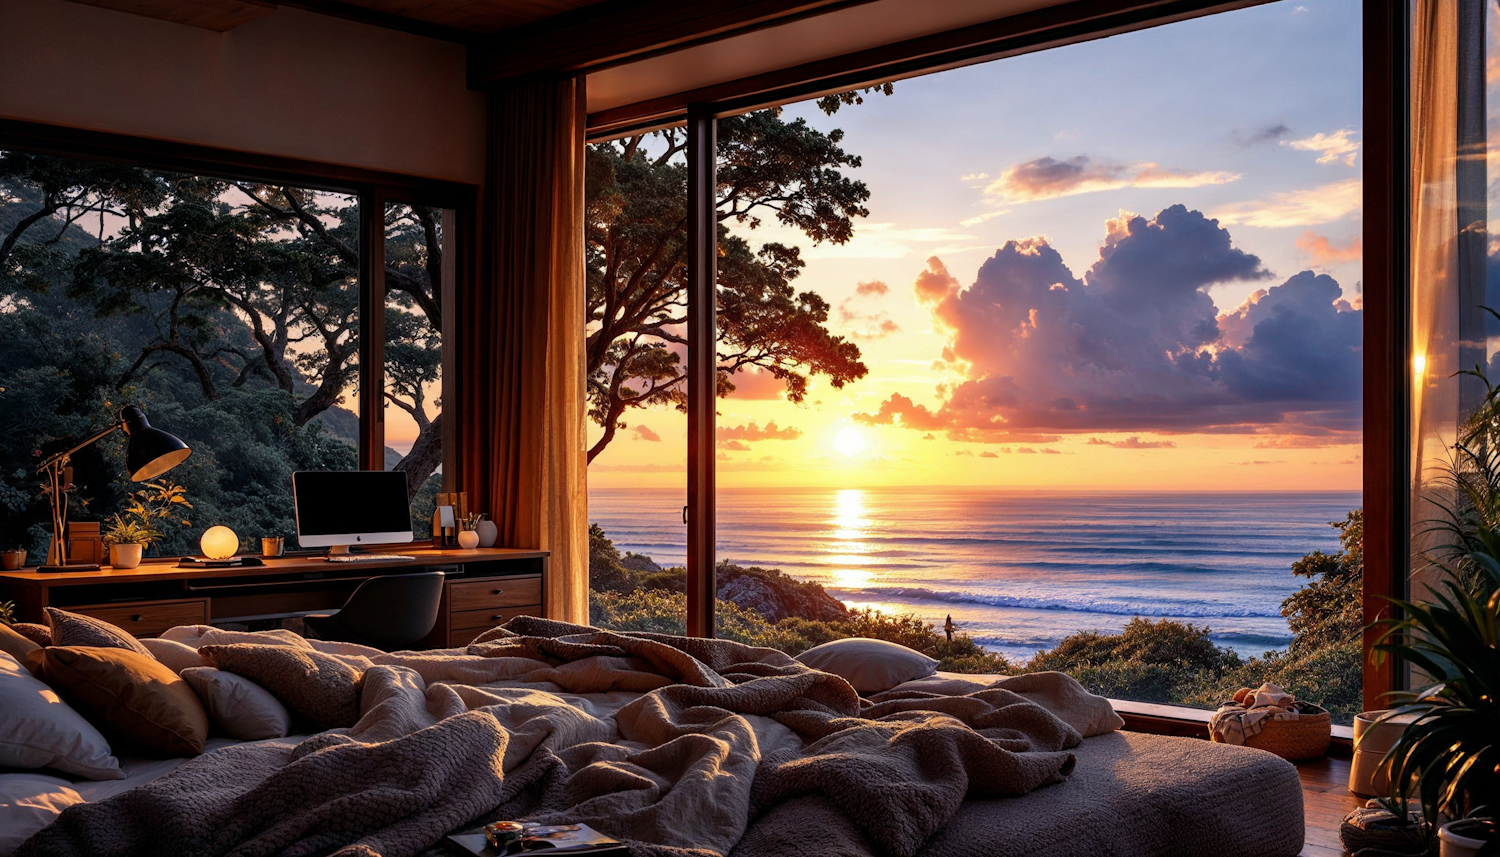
pixel 636 208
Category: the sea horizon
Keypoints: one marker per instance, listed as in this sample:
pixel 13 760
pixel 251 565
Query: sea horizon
pixel 1019 569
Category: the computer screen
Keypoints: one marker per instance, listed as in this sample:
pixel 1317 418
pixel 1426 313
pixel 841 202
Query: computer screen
pixel 351 507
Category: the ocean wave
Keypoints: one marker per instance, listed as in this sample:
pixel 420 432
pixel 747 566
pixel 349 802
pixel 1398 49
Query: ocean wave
pixel 1159 608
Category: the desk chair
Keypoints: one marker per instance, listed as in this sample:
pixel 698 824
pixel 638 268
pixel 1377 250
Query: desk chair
pixel 387 612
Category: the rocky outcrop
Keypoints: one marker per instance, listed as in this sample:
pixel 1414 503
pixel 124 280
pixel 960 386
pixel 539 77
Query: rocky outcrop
pixel 776 596
pixel 640 563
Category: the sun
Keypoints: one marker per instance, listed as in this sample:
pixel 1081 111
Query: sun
pixel 849 441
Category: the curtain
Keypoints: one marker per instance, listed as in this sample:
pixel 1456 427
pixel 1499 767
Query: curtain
pixel 520 336
pixel 1448 324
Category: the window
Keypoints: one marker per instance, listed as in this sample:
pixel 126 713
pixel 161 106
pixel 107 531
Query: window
pixel 1065 347
pixel 229 310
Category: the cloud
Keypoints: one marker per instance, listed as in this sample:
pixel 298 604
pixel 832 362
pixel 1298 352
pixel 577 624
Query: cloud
pixel 1133 443
pixel 1324 252
pixel 645 433
pixel 968 452
pixel 973 177
pixel 1308 207
pixel 1258 136
pixel 1049 178
pixel 1337 147
pixel 1136 344
pixel 878 330
pixel 888 241
pixel 753 432
pixel 872 287
pixel 929 436
pixel 988 454
pixel 980 218
pixel 1047 450
pixel 1305 442
pixel 734 445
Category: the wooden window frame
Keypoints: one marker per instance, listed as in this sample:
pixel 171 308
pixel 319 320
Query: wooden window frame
pixel 374 189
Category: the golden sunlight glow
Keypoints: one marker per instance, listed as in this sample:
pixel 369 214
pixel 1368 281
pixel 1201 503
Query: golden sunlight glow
pixel 1418 365
pixel 850 441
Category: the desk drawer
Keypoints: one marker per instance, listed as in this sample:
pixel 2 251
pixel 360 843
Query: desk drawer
pixel 149 618
pixel 485 619
pixel 494 592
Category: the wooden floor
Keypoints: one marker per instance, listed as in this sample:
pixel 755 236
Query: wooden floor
pixel 1325 800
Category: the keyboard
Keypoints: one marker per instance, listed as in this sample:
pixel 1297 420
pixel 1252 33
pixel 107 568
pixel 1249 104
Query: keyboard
pixel 366 557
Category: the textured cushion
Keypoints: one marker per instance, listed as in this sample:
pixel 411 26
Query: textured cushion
pixel 20 648
pixel 238 707
pixel 131 695
pixel 871 666
pixel 174 656
pixel 28 803
pixel 316 686
pixel 39 634
pixel 39 730
pixel 72 630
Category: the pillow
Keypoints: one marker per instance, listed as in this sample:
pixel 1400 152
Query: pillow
pixel 871 666
pixel 39 634
pixel 174 656
pixel 132 695
pixel 273 637
pixel 239 707
pixel 318 687
pixel 39 730
pixel 20 648
pixel 28 803
pixel 72 630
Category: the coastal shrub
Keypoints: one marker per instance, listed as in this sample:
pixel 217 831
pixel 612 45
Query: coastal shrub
pixel 1149 661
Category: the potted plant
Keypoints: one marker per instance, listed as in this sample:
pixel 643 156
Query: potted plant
pixel 12 558
pixel 131 533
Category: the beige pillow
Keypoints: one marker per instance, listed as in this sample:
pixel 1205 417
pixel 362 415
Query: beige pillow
pixel 21 649
pixel 131 695
pixel 238 707
pixel 871 666
pixel 39 634
pixel 72 630
pixel 318 687
pixel 39 730
pixel 174 656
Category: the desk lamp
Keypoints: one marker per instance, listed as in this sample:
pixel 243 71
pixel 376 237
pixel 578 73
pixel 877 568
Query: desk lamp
pixel 149 452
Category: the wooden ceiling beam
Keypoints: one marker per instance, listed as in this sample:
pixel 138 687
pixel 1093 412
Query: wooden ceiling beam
pixel 620 30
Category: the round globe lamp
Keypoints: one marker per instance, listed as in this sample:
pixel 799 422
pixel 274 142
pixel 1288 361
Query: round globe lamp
pixel 219 542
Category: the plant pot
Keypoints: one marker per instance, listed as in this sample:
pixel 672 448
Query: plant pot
pixel 488 532
pixel 124 556
pixel 12 560
pixel 1464 838
pixel 468 540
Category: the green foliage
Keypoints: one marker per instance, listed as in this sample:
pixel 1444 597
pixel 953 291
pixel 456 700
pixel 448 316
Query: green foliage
pixel 7 612
pixel 148 510
pixel 1148 661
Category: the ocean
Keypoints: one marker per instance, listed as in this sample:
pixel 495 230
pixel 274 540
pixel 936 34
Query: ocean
pixel 1017 570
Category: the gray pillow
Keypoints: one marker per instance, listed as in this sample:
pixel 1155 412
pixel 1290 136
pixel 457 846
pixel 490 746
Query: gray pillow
pixel 70 630
pixel 871 666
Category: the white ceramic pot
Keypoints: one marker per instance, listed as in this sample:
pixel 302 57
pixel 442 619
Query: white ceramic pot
pixel 1458 837
pixel 488 534
pixel 124 556
pixel 468 540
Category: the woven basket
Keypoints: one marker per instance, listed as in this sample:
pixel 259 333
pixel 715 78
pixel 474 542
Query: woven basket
pixel 1305 736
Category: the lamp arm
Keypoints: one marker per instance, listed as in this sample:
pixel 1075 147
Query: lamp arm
pixel 63 456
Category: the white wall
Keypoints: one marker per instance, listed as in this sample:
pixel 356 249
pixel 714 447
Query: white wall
pixel 290 83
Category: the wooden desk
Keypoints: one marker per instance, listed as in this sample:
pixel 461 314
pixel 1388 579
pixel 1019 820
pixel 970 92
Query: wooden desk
pixel 485 587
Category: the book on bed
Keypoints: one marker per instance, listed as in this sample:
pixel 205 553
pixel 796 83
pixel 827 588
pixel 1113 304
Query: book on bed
pixel 539 839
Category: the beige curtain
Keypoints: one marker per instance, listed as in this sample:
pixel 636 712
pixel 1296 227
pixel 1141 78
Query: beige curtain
pixel 520 433
pixel 1448 242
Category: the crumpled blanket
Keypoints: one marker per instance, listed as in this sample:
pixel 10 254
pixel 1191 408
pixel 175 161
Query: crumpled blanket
pixel 1234 722
pixel 719 736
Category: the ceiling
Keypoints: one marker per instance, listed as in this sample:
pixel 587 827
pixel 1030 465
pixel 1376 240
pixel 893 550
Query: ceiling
pixel 453 18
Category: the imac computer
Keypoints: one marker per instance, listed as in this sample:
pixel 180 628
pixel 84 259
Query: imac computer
pixel 340 509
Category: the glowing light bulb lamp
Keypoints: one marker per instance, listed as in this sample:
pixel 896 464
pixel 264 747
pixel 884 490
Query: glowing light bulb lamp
pixel 219 542
pixel 149 453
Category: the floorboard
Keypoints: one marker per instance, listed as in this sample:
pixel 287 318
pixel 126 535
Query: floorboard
pixel 1326 800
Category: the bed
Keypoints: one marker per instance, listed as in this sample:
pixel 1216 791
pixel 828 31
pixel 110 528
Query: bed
pixel 681 747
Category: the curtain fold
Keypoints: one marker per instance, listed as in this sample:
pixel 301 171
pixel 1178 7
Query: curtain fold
pixel 520 433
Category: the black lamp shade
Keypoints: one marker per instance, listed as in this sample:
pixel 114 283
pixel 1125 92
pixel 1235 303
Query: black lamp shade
pixel 150 451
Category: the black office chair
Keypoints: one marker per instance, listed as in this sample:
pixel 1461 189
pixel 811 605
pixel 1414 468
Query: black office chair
pixel 385 612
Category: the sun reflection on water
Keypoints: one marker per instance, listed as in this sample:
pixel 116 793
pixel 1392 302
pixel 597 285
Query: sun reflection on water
pixel 847 549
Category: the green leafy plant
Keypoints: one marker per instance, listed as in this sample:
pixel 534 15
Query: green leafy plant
pixel 151 507
pixel 7 612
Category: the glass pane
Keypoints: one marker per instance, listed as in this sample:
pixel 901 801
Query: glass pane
pixel 227 311
pixel 416 259
pixel 637 357
pixel 1081 362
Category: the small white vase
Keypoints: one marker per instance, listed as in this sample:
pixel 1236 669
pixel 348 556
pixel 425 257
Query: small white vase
pixel 1458 838
pixel 124 556
pixel 468 540
pixel 488 533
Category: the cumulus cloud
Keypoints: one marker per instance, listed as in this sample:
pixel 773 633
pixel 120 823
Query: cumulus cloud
pixel 1325 252
pixel 1136 344
pixel 988 454
pixel 1050 178
pixel 872 287
pixel 1133 442
pixel 1308 207
pixel 645 433
pixel 867 325
pixel 1337 147
pixel 734 446
pixel 753 432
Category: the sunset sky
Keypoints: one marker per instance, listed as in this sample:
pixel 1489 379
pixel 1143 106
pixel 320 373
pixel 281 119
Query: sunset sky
pixel 1041 293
